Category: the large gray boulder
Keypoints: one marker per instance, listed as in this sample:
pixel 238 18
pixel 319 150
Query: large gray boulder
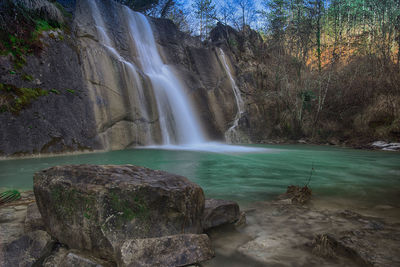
pixel 96 208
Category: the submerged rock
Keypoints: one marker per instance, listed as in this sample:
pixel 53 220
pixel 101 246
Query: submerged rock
pixel 97 208
pixel 176 250
pixel 218 212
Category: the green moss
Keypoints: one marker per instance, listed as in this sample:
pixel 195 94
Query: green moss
pixel 71 91
pixel 232 42
pixel 68 202
pixel 55 91
pixel 27 77
pixel 14 99
pixel 22 37
pixel 128 210
pixel 18 47
pixel 42 26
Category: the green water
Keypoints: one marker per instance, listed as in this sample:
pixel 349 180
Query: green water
pixel 367 176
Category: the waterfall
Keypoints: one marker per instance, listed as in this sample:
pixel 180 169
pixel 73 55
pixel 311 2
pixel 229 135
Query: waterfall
pixel 231 135
pixel 178 122
pixel 137 98
pixel 130 71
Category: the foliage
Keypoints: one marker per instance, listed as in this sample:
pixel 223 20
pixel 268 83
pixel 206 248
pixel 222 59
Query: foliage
pixel 27 77
pixel 205 13
pixel 9 196
pixel 20 31
pixel 14 99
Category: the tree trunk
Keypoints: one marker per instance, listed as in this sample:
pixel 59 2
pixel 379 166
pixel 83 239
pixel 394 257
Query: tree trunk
pixel 319 34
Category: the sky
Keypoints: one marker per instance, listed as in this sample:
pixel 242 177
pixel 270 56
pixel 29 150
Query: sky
pixel 257 3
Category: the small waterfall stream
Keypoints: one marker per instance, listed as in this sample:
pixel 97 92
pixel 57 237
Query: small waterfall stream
pixel 231 135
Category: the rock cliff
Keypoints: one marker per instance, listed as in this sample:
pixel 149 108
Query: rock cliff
pixel 96 96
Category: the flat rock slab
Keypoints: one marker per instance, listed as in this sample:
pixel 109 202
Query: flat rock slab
pixel 282 234
pixel 98 207
pixel 373 247
pixel 176 250
pixel 219 212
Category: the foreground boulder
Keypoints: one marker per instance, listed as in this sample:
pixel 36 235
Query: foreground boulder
pixel 97 208
pixel 177 250
pixel 219 212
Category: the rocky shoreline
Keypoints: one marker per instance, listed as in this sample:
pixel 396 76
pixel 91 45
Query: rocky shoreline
pixel 281 233
pixel 106 215
pixel 376 145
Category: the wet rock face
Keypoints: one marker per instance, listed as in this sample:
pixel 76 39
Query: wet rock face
pixel 62 120
pixel 97 208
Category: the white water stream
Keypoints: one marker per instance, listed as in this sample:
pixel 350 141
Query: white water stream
pixel 231 134
pixel 178 122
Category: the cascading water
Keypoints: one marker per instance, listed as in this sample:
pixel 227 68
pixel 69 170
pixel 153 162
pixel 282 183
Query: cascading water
pixel 132 66
pixel 130 70
pixel 231 135
pixel 178 123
